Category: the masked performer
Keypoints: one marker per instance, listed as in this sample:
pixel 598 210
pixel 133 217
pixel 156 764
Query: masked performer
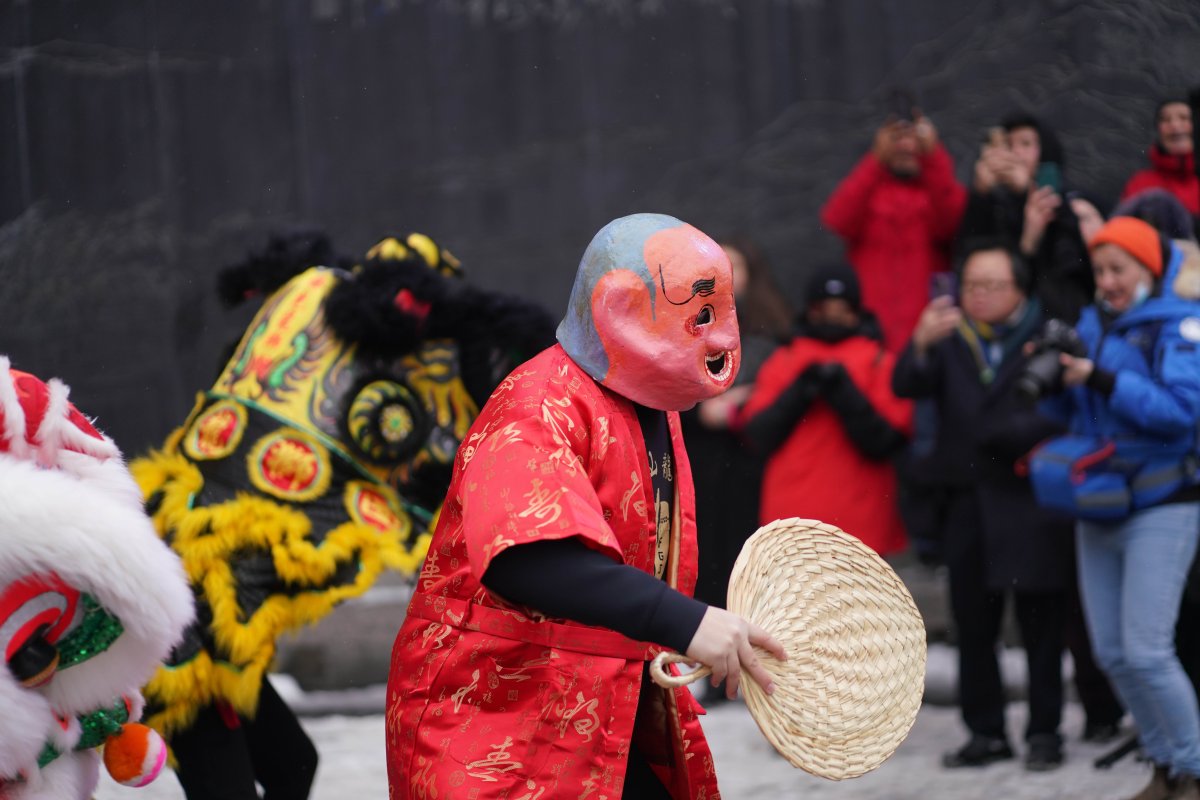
pixel 90 601
pixel 565 555
pixel 317 459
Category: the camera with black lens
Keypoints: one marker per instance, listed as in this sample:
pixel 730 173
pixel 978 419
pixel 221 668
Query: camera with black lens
pixel 1043 372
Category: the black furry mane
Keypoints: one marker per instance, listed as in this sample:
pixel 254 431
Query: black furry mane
pixel 361 309
pixel 284 257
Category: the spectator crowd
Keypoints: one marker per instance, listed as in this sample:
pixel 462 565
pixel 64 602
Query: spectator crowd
pixel 1004 379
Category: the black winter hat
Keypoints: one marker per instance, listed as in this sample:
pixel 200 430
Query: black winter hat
pixel 834 282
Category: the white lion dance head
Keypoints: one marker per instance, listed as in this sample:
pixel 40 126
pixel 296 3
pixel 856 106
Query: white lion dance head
pixel 90 601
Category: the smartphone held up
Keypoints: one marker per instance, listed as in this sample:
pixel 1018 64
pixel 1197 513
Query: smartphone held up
pixel 943 284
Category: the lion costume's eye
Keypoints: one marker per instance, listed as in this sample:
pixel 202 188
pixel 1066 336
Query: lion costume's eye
pixel 35 613
pixel 705 316
pixel 386 422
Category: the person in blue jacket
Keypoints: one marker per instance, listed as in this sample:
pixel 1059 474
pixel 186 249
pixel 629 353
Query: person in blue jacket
pixel 1139 388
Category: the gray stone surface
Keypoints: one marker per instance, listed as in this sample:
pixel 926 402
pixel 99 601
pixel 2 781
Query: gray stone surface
pixel 351 647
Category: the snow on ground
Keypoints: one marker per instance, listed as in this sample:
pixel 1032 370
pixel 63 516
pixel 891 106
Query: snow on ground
pixel 348 730
pixel 352 765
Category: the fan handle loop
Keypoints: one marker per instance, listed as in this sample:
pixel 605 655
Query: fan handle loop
pixel 664 679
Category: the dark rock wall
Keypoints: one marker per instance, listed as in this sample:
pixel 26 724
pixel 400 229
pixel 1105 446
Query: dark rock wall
pixel 144 144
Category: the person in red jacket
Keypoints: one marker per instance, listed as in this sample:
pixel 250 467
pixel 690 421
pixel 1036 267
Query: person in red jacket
pixel 823 408
pixel 1172 162
pixel 898 211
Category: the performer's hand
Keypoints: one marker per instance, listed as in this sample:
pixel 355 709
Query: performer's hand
pixel 725 642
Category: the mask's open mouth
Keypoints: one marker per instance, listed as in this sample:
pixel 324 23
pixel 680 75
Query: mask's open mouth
pixel 719 365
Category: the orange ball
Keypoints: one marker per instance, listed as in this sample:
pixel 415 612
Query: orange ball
pixel 135 756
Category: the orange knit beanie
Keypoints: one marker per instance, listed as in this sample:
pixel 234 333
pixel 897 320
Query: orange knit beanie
pixel 1135 237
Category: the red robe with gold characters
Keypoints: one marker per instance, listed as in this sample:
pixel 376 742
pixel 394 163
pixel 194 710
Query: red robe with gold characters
pixel 490 701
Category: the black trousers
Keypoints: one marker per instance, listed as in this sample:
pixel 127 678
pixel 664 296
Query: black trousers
pixel 640 781
pixel 220 762
pixel 978 614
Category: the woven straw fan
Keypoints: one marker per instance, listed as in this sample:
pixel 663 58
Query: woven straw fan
pixel 850 690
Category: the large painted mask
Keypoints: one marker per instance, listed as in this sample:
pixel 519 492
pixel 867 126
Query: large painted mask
pixel 651 314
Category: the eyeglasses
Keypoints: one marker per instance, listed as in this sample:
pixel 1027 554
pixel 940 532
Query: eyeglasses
pixel 987 287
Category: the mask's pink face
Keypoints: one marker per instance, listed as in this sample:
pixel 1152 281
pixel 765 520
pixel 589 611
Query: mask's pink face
pixel 680 345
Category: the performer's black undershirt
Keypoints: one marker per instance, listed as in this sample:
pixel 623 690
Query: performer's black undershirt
pixel 565 578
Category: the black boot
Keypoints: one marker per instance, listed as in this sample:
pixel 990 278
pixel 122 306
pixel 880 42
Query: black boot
pixel 979 751
pixel 1101 732
pixel 1044 753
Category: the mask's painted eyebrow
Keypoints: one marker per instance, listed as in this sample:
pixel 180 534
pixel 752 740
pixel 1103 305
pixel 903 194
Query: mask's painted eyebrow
pixel 703 287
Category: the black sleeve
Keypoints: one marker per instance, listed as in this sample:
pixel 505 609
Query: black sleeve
pixel 915 376
pixel 1010 433
pixel 979 216
pixel 1102 381
pixel 870 433
pixel 566 579
pixel 767 430
pixel 1062 271
pixel 998 213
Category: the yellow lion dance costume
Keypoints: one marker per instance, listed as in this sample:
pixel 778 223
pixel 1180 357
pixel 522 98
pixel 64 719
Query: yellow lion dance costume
pixel 320 455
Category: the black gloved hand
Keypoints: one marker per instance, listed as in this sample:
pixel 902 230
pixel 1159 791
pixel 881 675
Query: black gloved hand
pixel 768 428
pixel 868 430
pixel 828 374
